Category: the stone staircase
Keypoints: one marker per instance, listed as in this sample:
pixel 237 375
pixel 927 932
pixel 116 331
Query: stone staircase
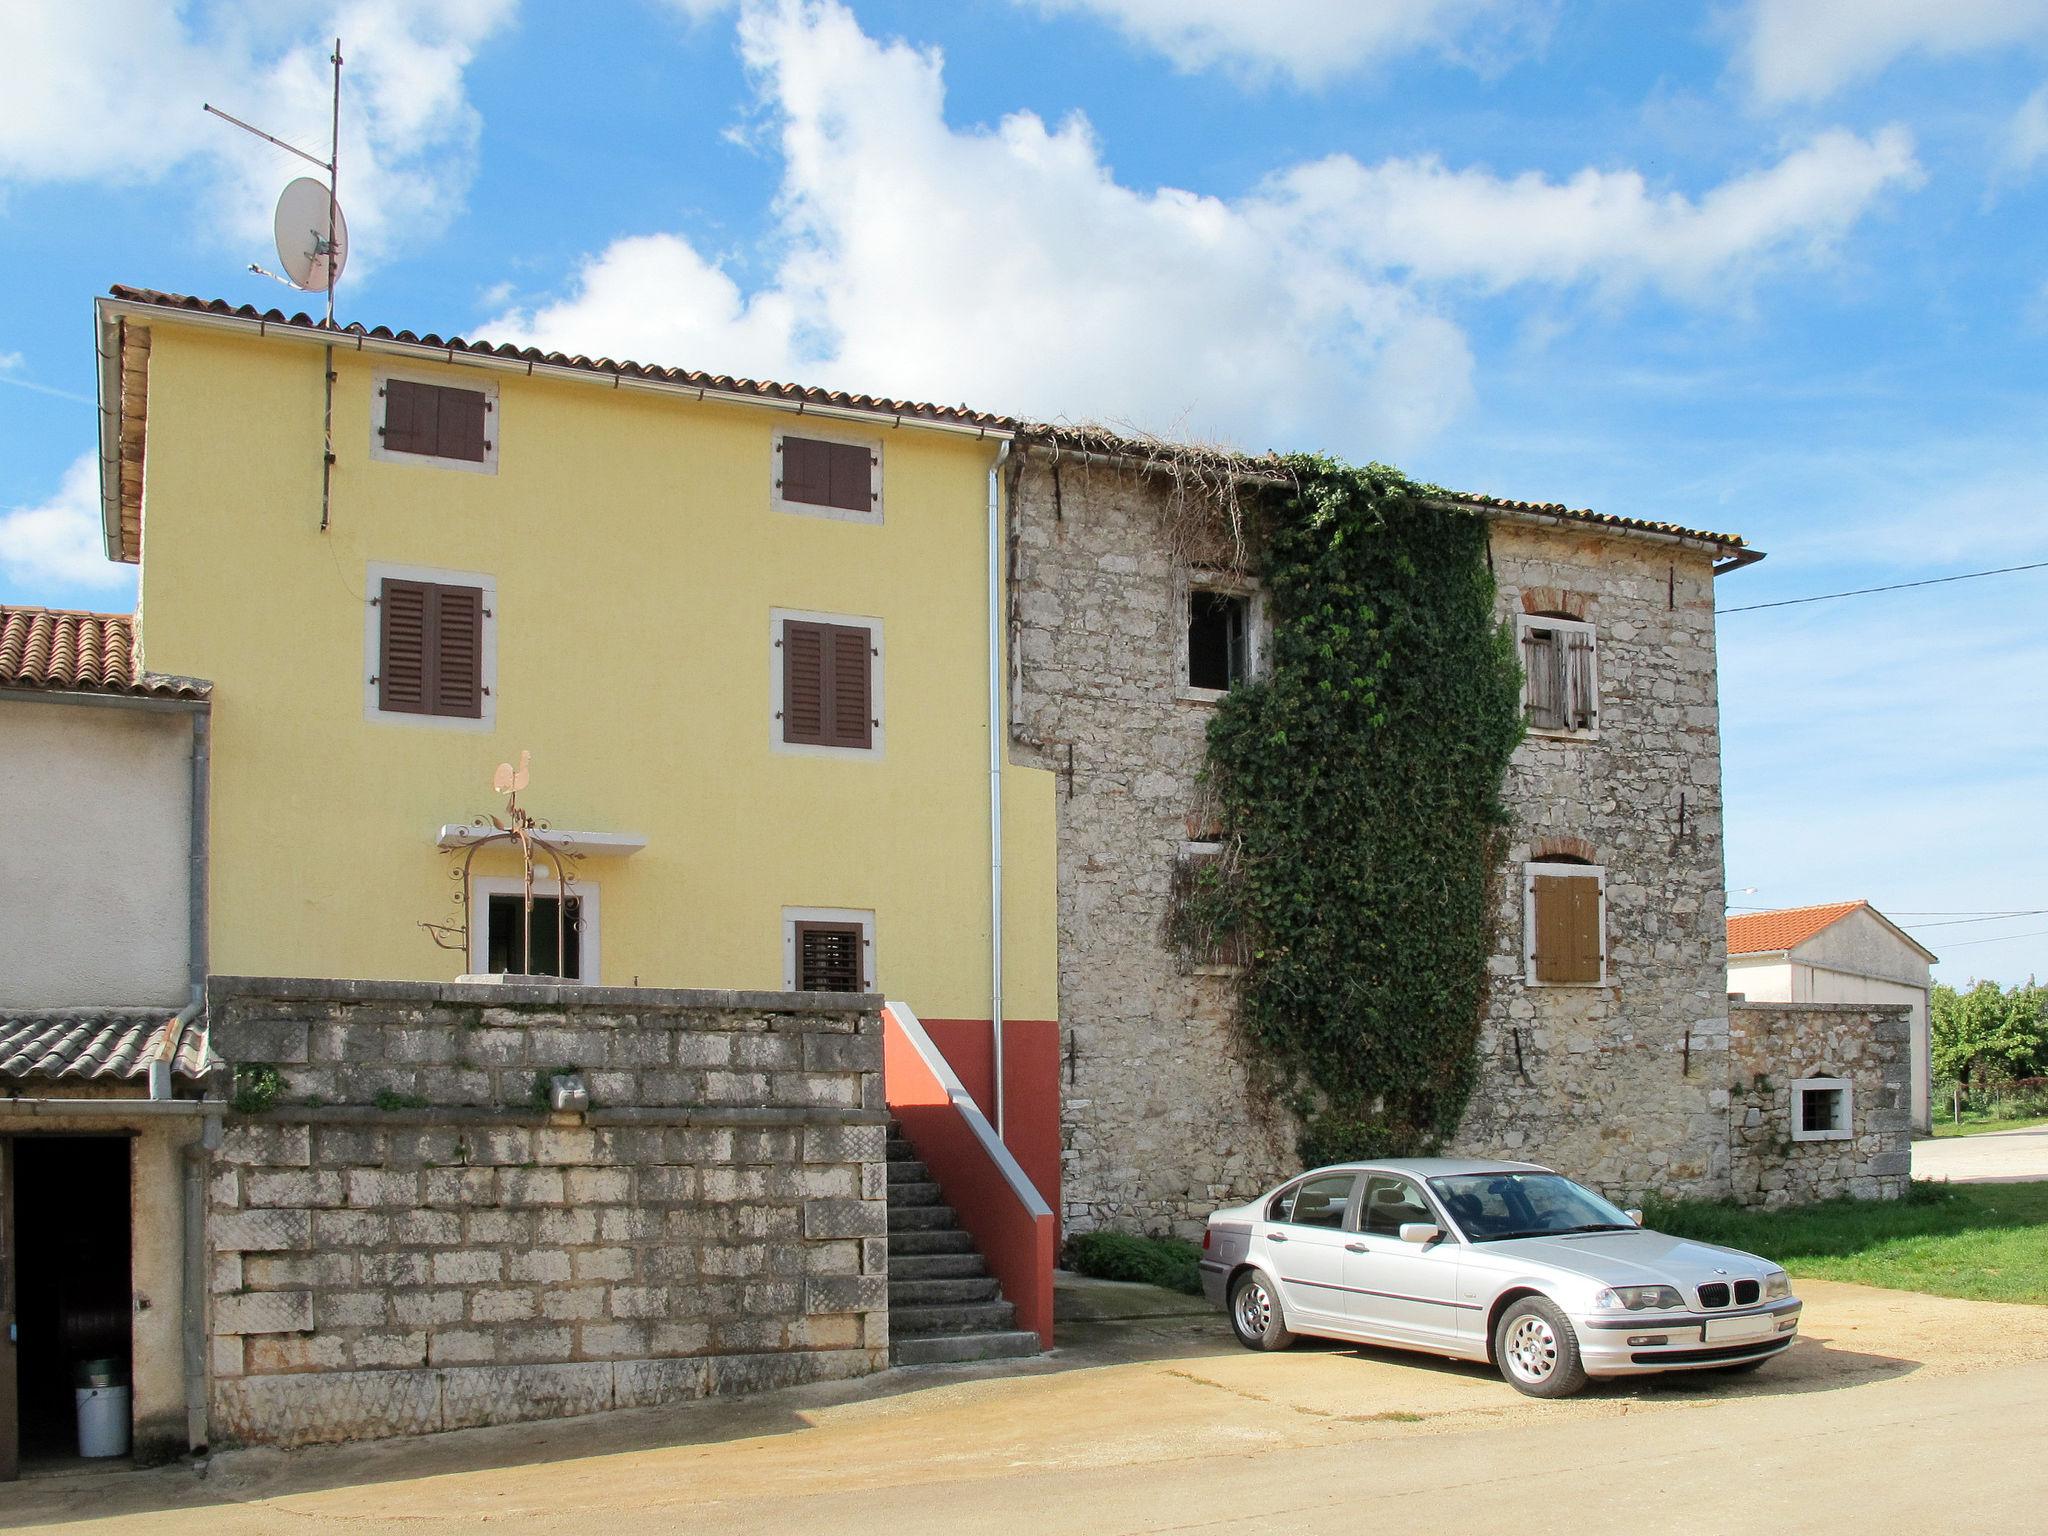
pixel 944 1306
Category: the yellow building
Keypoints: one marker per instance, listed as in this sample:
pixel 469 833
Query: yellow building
pixel 749 634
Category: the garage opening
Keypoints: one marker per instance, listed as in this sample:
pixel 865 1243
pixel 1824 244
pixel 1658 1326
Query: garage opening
pixel 72 1282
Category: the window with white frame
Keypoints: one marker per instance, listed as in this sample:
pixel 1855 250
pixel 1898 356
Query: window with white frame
pixel 428 418
pixel 430 647
pixel 1560 675
pixel 821 471
pixel 825 684
pixel 1820 1109
pixel 1222 644
pixel 1564 924
pixel 505 939
pixel 828 949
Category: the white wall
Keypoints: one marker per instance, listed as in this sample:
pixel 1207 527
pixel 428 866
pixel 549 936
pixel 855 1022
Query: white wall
pixel 94 841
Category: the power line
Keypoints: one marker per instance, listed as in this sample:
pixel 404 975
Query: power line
pixel 1989 917
pixel 1897 586
pixel 1966 943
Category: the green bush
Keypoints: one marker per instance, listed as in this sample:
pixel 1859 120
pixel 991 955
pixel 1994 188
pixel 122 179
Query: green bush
pixel 1161 1261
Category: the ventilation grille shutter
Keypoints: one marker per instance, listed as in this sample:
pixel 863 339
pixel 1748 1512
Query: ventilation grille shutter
pixel 803 683
pixel 849 700
pixel 403 651
pixel 458 677
pixel 464 420
pixel 828 957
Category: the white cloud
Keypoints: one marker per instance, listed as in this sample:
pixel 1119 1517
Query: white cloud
pixel 1805 50
pixel 2026 139
pixel 112 92
pixel 1008 266
pixel 58 542
pixel 10 361
pixel 1315 41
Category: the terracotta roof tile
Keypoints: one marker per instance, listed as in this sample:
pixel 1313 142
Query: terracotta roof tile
pixel 97 1045
pixel 63 650
pixel 1766 933
pixel 727 384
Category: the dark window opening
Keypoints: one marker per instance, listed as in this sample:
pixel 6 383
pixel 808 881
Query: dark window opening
pixel 557 950
pixel 1219 639
pixel 1820 1109
pixel 71 1280
pixel 829 957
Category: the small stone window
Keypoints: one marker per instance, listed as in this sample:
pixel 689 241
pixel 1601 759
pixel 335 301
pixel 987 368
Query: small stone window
pixel 1223 640
pixel 564 944
pixel 1820 1109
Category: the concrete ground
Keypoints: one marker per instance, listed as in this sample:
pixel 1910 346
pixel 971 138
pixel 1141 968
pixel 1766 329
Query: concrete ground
pixel 1996 1157
pixel 1896 1411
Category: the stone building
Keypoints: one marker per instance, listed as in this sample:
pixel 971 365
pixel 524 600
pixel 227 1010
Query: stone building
pixel 1605 1047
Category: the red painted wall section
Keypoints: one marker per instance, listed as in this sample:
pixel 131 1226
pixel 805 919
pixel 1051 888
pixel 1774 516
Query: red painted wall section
pixel 1031 1085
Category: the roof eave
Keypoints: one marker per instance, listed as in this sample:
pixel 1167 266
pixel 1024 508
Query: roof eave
pixel 107 343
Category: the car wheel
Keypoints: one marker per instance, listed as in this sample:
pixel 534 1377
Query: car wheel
pixel 1537 1350
pixel 1255 1315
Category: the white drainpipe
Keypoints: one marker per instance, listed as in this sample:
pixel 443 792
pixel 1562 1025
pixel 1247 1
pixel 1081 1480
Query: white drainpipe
pixel 998 732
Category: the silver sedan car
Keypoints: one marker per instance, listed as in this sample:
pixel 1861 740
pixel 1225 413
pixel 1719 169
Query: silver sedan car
pixel 1502 1262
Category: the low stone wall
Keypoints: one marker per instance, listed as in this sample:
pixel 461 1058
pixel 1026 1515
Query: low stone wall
pixel 1774 1045
pixel 407 1242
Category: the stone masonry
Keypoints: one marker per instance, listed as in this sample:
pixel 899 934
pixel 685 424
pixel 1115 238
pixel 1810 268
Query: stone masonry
pixel 408 1242
pixel 1774 1045
pixel 1624 1085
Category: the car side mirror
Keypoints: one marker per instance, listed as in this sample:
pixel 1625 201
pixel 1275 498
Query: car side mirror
pixel 1634 1215
pixel 1420 1231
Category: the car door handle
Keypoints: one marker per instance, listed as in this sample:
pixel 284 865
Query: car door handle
pixel 1356 1248
pixel 1276 1237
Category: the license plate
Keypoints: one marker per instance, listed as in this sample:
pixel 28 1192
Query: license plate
pixel 1737 1330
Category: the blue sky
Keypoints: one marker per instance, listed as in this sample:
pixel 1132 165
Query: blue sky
pixel 1767 266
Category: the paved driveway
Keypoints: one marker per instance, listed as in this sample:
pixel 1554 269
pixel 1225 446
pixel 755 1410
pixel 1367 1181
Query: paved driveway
pixel 2001 1157
pixel 1896 1411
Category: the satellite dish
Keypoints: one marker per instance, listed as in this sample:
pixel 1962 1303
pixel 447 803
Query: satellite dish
pixel 303 242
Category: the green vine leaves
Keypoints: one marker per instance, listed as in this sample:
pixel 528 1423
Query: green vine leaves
pixel 1360 783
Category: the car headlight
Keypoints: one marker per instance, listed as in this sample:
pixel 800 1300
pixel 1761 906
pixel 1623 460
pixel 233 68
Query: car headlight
pixel 1777 1285
pixel 1638 1298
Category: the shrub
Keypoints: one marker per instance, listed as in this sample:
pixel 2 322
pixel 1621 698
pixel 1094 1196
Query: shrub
pixel 1161 1261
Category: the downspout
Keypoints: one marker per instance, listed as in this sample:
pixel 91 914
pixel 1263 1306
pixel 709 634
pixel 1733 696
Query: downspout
pixel 997 731
pixel 199 1153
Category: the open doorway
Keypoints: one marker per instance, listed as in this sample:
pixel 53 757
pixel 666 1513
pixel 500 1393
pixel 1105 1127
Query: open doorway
pixel 72 1282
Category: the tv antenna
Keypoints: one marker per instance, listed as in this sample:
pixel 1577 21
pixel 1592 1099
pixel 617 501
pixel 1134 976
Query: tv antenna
pixel 312 244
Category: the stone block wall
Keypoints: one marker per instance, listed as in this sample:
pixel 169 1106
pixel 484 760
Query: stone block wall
pixel 1625 1086
pixel 408 1242
pixel 1774 1045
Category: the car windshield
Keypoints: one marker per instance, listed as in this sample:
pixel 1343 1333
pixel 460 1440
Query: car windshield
pixel 1491 1207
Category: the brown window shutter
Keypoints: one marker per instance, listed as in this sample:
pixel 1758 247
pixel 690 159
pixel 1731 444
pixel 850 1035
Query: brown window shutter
pixel 1567 928
pixel 404 647
pixel 410 417
pixel 851 477
pixel 804 663
pixel 828 957
pixel 806 471
pixel 464 424
pixel 850 696
pixel 1583 707
pixel 458 670
pixel 1585 929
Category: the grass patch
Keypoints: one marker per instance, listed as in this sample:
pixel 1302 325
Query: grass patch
pixel 1161 1261
pixel 1972 1126
pixel 1984 1242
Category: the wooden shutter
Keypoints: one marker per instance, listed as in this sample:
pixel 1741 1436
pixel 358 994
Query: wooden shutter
pixel 1567 928
pixel 410 417
pixel 821 474
pixel 1544 694
pixel 464 424
pixel 827 684
pixel 458 652
pixel 403 647
pixel 1582 705
pixel 803 682
pixel 849 698
pixel 828 957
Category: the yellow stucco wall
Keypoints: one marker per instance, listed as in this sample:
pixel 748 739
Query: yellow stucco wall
pixel 637 559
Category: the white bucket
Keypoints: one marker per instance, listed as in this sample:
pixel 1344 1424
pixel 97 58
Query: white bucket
pixel 102 1421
